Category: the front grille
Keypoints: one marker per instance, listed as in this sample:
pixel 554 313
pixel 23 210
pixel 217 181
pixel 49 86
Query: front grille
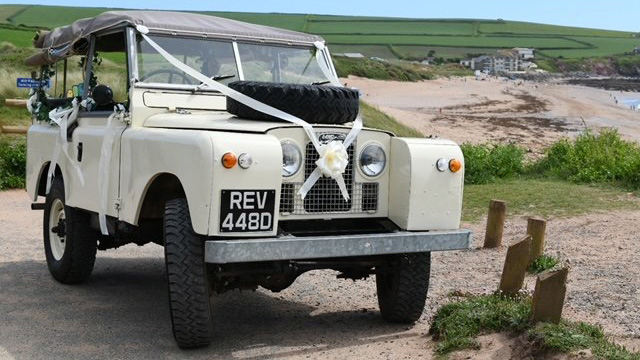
pixel 370 197
pixel 364 198
pixel 325 195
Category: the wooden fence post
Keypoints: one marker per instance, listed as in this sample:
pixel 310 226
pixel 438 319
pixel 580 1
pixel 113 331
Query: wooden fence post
pixel 548 297
pixel 7 129
pixel 19 103
pixel 495 224
pixel 515 267
pixel 536 228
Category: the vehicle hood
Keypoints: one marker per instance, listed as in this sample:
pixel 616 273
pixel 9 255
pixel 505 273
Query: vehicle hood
pixel 221 121
pixel 212 121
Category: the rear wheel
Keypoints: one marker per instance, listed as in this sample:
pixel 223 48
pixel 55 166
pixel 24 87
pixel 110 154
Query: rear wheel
pixel 402 287
pixel 70 244
pixel 186 278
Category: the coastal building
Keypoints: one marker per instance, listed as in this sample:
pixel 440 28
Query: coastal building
pixel 524 53
pixel 503 62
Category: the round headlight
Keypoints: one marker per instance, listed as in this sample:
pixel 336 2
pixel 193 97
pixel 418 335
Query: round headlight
pixel 442 164
pixel 291 159
pixel 372 160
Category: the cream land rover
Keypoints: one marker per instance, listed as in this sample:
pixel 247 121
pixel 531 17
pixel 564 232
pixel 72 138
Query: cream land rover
pixel 236 148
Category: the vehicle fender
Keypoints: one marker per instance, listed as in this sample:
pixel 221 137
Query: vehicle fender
pixel 186 154
pixel 420 196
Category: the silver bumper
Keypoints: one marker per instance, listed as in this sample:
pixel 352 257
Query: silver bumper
pixel 316 247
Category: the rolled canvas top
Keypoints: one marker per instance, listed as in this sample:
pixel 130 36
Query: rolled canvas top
pixel 60 42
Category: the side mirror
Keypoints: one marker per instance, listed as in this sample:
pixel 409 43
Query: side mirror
pixel 102 95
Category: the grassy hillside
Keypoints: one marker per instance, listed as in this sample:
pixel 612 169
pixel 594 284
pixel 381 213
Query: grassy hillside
pixel 377 36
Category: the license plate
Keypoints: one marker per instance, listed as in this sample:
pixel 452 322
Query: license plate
pixel 247 210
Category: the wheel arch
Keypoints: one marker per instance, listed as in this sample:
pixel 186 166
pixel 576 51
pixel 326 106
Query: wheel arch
pixel 41 184
pixel 159 189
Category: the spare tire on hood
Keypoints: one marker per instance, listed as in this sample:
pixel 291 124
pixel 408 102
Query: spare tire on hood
pixel 316 104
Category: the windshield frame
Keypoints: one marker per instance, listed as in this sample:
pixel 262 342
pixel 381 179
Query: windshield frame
pixel 133 60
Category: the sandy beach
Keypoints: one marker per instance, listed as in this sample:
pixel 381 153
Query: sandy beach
pixel 533 114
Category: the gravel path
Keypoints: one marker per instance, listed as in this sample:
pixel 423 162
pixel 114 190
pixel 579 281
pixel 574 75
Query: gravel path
pixel 122 311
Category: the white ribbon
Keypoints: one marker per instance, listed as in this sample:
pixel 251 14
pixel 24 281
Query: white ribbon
pixel 104 165
pixel 331 167
pixel 62 117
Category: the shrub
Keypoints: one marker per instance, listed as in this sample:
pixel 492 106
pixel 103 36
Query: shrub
pixel 379 70
pixel 13 161
pixel 485 163
pixel 593 158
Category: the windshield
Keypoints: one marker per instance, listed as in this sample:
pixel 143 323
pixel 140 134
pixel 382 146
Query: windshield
pixel 217 59
pixel 280 64
pixel 213 58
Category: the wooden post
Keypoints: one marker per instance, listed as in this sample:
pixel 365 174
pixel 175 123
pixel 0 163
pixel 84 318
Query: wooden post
pixel 515 267
pixel 13 129
pixel 536 228
pixel 19 103
pixel 548 297
pixel 495 224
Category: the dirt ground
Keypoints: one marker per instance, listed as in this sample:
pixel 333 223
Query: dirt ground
pixel 533 114
pixel 122 311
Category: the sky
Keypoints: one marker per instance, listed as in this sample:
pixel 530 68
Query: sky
pixel 612 14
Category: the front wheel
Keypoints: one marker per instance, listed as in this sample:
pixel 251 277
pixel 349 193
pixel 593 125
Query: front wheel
pixel 402 287
pixel 70 244
pixel 186 278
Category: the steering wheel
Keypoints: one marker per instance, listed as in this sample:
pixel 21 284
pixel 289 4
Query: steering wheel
pixel 171 72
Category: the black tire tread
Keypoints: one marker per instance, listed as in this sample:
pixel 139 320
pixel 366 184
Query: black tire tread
pixel 81 241
pixel 316 104
pixel 405 303
pixel 186 278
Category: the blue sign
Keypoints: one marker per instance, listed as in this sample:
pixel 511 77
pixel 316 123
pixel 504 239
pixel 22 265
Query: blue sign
pixel 31 83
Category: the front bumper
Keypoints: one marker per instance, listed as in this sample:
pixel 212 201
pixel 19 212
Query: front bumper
pixel 317 247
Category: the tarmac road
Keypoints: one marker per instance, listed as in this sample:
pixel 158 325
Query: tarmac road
pixel 122 311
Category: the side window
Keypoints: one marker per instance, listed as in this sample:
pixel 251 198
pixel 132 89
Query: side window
pixel 109 69
pixel 64 84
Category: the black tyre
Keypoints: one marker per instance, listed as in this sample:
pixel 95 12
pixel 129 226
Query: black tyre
pixel 70 244
pixel 402 287
pixel 316 104
pixel 186 278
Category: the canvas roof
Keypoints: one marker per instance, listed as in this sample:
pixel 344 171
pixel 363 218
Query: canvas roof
pixel 66 40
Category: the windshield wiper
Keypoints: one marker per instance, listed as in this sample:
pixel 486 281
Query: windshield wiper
pixel 216 78
pixel 320 82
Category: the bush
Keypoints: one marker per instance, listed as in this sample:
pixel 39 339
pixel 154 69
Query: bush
pixel 593 158
pixel 13 161
pixel 485 163
pixel 379 70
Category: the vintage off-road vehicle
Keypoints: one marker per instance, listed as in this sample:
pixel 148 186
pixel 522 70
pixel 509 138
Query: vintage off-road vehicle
pixel 236 148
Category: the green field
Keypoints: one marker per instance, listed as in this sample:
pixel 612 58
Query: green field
pixel 378 36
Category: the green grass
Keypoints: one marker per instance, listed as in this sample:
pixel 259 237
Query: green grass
pixel 18 37
pixel 390 27
pixel 462 36
pixel 380 70
pixel 13 161
pixel 544 197
pixel 7 11
pixel 382 51
pixel 377 119
pixel 457 41
pixel 571 336
pixel 14 116
pixel 543 263
pixel 517 27
pixel 456 325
